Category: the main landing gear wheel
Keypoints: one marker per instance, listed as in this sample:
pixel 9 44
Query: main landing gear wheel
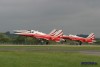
pixel 44 42
pixel 80 43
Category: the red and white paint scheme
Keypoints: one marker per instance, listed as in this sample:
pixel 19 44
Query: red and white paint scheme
pixel 54 35
pixel 89 39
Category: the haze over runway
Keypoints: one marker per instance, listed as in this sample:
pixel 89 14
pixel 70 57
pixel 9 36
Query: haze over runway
pixel 73 16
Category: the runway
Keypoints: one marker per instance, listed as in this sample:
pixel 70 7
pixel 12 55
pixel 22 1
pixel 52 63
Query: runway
pixel 84 49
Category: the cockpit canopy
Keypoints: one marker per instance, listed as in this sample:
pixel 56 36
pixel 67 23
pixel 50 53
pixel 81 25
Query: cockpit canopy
pixel 31 31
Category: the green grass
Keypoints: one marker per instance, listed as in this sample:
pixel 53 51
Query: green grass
pixel 46 56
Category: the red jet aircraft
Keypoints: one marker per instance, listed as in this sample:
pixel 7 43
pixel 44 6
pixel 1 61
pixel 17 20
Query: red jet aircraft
pixel 89 39
pixel 54 35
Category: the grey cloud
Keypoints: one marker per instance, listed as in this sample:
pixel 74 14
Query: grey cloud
pixel 74 16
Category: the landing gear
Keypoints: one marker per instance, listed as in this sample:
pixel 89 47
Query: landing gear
pixel 47 43
pixel 62 41
pixel 43 42
pixel 80 43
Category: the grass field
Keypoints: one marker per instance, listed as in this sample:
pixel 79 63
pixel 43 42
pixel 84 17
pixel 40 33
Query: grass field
pixel 49 56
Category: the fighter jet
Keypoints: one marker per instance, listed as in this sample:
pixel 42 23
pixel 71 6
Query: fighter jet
pixel 54 35
pixel 80 40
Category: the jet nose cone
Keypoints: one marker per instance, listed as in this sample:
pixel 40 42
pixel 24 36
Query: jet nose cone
pixel 18 33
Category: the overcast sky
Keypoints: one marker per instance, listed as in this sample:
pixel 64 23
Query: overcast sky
pixel 73 16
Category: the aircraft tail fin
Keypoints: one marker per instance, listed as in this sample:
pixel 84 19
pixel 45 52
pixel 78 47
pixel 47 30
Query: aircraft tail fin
pixel 53 32
pixel 92 37
pixel 59 33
